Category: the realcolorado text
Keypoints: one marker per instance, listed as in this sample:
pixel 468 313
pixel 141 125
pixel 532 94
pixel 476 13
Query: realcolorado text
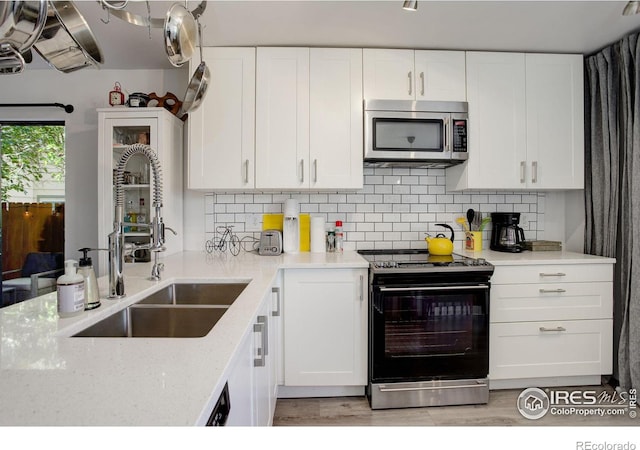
pixel 588 445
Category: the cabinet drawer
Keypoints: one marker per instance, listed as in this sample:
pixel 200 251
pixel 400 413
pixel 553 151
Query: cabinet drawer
pixel 536 349
pixel 552 273
pixel 546 301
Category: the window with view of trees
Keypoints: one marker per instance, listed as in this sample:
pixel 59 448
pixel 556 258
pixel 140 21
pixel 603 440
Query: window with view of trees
pixel 32 190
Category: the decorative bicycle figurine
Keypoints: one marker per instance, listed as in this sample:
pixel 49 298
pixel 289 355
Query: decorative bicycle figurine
pixel 225 237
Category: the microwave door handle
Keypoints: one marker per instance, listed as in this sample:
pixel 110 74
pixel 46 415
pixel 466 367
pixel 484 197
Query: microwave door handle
pixel 447 131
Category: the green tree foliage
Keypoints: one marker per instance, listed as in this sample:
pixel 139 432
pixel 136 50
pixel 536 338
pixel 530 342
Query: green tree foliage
pixel 28 153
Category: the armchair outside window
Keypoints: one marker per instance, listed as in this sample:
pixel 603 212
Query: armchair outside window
pixel 37 276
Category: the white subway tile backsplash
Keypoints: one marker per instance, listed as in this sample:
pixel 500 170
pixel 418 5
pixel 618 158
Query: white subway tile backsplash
pixel 395 209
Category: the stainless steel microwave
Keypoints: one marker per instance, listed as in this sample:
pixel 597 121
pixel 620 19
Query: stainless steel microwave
pixel 415 133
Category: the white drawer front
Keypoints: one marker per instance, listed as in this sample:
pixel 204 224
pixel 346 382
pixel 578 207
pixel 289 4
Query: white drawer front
pixel 557 273
pixel 536 349
pixel 559 301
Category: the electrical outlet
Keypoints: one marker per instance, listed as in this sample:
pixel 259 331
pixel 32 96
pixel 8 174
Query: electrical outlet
pixel 524 220
pixel 254 222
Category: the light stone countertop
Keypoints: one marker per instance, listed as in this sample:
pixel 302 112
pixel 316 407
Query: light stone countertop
pixel 536 258
pixel 49 378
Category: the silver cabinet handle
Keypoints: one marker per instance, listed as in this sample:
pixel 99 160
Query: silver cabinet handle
pixel 422 83
pixel 545 329
pixel 534 172
pixel 410 83
pixel 246 171
pixel 522 168
pixel 302 171
pixel 276 290
pixel 557 274
pixel 261 327
pixel 315 170
pixel 554 291
pixel 361 287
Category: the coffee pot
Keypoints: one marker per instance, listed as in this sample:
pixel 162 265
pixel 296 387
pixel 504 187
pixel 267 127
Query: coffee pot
pixel 506 235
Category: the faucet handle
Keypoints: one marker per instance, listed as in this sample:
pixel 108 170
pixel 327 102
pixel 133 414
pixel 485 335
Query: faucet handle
pixel 171 229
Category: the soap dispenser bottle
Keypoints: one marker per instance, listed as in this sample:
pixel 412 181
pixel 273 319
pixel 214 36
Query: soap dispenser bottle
pixel 70 287
pixel 91 294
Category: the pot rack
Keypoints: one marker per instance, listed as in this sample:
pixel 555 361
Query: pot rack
pixel 67 108
pixel 117 10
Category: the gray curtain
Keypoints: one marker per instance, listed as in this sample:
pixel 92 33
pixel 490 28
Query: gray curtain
pixel 612 188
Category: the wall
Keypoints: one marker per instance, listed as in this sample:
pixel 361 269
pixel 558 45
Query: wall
pixel 395 209
pixel 86 90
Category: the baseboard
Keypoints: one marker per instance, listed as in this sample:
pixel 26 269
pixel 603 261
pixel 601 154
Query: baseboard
pixel 522 383
pixel 320 391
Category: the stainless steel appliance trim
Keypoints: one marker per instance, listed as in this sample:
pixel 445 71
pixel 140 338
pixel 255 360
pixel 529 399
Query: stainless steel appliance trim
pixel 429 393
pixel 416 106
pixel 435 288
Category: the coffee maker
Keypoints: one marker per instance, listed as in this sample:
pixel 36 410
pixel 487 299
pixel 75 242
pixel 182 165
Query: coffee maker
pixel 506 235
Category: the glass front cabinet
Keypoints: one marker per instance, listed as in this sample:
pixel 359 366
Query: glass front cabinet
pixel 118 129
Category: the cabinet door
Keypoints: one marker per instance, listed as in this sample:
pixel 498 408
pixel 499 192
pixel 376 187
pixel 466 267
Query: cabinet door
pixel 497 123
pixel 335 101
pixel 550 349
pixel 440 75
pixel 555 122
pixel 221 132
pixel 262 366
pixel 388 74
pixel 325 327
pixel 241 385
pixel 282 118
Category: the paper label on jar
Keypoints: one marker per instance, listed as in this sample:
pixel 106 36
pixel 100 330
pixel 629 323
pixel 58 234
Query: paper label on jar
pixel 70 298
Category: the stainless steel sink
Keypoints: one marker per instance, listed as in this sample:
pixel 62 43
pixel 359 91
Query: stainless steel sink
pixel 181 310
pixel 195 294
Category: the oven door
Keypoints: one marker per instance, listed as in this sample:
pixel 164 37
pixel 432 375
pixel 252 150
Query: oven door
pixel 429 332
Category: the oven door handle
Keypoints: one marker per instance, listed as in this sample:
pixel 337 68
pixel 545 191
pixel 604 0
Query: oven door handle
pixel 383 388
pixel 433 288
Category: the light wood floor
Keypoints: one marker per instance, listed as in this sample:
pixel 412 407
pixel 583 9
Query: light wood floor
pixel 500 411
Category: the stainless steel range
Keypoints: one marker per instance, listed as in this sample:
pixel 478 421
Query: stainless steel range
pixel 428 329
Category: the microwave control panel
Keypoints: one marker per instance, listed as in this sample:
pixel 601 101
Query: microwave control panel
pixel 459 135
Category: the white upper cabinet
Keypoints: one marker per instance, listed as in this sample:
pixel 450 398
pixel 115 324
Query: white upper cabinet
pixel 221 131
pixel 414 75
pixel 282 118
pixel 335 125
pixel 525 123
pixel 555 121
pixel 308 118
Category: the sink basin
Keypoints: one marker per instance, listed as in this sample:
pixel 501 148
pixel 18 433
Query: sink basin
pixel 221 294
pixel 181 310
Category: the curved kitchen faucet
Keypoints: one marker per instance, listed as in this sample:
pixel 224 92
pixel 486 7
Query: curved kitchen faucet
pixel 116 238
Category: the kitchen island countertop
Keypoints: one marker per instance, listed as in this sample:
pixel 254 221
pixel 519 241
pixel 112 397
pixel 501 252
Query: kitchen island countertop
pixel 50 378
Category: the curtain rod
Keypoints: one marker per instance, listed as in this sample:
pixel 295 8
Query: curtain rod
pixel 67 108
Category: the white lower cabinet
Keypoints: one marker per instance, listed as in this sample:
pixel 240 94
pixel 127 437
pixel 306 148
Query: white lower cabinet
pixel 325 327
pixel 252 379
pixel 550 324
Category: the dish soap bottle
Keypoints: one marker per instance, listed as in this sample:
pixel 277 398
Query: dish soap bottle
pixel 70 291
pixel 91 295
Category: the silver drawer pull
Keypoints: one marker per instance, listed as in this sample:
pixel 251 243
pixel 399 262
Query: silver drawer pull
pixel 554 291
pixel 545 329
pixel 557 274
